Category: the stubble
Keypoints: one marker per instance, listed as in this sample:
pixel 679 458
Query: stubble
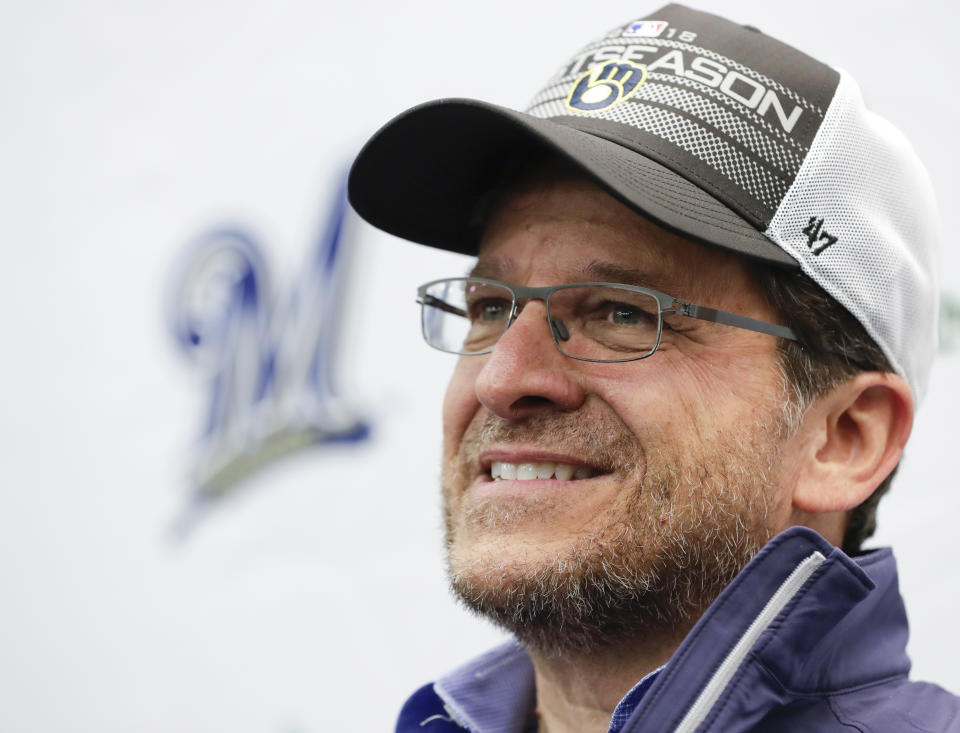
pixel 687 520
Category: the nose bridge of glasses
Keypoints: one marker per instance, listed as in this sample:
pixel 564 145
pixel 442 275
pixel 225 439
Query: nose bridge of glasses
pixel 523 295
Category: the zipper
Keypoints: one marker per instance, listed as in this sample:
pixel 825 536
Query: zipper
pixel 725 672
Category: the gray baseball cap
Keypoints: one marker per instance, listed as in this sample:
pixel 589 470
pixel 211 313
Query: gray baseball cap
pixel 712 130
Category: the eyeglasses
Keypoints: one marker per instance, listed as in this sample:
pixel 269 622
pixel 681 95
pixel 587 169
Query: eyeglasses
pixel 603 322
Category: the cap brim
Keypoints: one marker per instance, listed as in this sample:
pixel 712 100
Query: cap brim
pixel 423 175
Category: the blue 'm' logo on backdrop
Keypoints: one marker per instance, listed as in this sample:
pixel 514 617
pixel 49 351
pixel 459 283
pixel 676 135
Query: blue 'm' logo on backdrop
pixel 266 359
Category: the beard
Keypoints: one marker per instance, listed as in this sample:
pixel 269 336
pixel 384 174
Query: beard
pixel 685 522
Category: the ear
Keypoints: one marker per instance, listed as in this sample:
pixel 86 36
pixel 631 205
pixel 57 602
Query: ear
pixel 852 438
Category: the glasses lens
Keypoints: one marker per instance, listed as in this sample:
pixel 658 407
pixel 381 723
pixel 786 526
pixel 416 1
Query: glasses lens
pixel 606 323
pixel 464 316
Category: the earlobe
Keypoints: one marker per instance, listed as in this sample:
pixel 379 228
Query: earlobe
pixel 854 437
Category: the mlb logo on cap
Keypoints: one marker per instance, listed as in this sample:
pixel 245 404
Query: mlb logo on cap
pixel 647 28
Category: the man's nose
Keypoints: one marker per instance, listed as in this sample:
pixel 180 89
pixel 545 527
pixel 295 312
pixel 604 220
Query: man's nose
pixel 526 374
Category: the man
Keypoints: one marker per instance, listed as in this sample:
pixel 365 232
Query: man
pixel 703 310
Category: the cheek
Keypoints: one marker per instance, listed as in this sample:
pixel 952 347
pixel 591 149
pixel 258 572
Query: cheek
pixel 729 390
pixel 680 399
pixel 460 402
pixel 644 397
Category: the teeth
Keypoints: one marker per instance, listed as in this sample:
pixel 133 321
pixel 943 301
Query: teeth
pixel 526 471
pixel 545 469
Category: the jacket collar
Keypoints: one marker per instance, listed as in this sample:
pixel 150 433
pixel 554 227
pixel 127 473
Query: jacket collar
pixel 840 623
pixel 493 693
pixel 801 618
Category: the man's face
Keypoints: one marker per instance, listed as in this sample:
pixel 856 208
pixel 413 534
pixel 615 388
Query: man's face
pixel 675 459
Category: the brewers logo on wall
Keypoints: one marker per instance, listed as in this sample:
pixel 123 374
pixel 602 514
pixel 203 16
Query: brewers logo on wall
pixel 265 359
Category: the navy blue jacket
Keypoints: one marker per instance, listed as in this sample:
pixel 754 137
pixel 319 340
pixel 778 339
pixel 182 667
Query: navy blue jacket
pixel 805 639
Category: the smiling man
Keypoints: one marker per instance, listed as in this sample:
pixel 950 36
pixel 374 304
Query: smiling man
pixel 702 312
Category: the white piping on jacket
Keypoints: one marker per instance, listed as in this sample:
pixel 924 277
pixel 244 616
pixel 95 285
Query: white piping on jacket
pixel 725 672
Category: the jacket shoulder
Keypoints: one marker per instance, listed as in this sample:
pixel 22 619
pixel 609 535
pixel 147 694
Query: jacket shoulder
pixel 894 706
pixel 901 707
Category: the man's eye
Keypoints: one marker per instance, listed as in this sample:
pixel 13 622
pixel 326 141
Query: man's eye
pixel 621 314
pixel 489 310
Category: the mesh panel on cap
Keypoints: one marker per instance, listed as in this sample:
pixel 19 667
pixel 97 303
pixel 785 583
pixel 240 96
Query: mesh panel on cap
pixel 863 180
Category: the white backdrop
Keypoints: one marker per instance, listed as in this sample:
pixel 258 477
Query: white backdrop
pixel 313 600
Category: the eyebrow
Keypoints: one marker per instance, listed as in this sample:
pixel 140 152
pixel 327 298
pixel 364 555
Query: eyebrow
pixel 497 268
pixel 609 272
pixel 493 268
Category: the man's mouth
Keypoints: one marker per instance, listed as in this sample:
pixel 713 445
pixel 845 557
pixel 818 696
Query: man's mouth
pixel 539 470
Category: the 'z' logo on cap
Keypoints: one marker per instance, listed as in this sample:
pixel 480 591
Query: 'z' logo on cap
pixel 606 86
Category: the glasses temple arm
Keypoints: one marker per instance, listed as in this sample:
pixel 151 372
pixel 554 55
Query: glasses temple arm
pixel 732 319
pixel 442 305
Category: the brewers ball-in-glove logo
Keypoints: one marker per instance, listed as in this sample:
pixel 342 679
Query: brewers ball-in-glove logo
pixel 606 86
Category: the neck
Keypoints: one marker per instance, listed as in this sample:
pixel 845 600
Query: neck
pixel 577 692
